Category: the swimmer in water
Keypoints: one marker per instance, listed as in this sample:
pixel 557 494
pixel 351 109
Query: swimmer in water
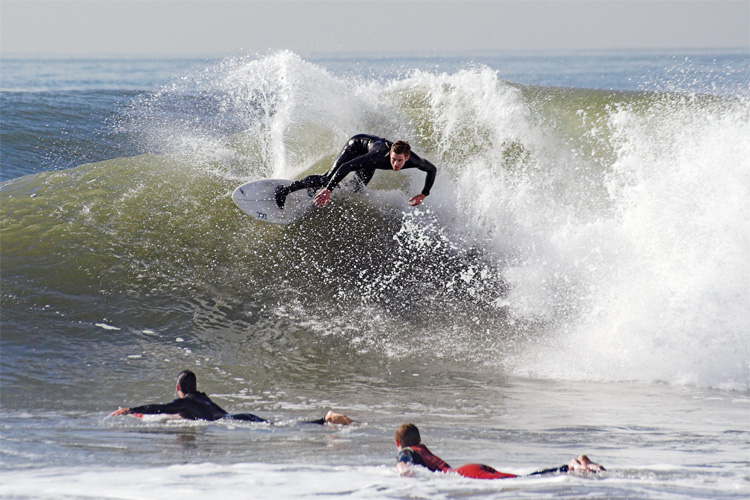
pixel 363 154
pixel 412 452
pixel 193 405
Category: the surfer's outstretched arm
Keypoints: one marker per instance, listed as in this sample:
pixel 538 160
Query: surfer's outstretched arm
pixel 430 173
pixel 173 409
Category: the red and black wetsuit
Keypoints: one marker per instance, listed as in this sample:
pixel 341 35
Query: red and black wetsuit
pixel 194 406
pixel 420 455
pixel 363 154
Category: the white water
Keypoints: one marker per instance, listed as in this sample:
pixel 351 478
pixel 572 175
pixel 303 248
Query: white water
pixel 621 226
pixel 666 291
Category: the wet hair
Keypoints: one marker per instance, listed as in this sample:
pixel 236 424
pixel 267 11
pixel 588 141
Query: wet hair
pixel 401 147
pixel 186 382
pixel 408 435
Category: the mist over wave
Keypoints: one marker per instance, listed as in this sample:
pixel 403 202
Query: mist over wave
pixel 570 234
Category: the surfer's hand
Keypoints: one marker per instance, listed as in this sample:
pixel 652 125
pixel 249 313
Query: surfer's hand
pixel 121 411
pixel 417 200
pixel 404 470
pixel 321 199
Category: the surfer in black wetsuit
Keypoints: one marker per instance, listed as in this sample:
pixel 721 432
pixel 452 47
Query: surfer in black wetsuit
pixel 193 405
pixel 411 452
pixel 363 154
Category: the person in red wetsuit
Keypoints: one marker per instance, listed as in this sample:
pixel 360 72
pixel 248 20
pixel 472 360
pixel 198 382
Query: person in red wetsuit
pixel 193 405
pixel 411 452
pixel 362 154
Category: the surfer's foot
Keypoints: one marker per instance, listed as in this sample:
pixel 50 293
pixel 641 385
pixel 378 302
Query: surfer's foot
pixel 583 464
pixel 337 418
pixel 280 195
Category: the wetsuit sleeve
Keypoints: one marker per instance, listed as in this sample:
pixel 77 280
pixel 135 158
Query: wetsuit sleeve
pixel 246 417
pixel 196 406
pixel 409 457
pixel 369 160
pixel 320 421
pixel 173 408
pixel 424 457
pixel 426 167
pixel 554 470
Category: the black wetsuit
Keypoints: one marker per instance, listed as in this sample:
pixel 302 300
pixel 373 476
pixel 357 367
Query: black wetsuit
pixel 194 406
pixel 363 154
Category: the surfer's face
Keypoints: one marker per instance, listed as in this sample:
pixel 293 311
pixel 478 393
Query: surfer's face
pixel 398 160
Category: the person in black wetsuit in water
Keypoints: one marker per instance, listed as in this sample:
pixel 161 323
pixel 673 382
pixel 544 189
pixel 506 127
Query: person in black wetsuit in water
pixel 363 154
pixel 193 405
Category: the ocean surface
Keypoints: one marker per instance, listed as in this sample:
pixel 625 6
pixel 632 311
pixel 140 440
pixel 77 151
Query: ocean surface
pixel 578 281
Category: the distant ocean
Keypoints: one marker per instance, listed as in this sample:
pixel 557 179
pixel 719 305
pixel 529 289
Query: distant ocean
pixel 578 281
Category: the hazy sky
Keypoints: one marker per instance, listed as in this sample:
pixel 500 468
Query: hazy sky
pixel 221 28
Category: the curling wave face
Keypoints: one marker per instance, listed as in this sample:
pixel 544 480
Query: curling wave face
pixel 570 233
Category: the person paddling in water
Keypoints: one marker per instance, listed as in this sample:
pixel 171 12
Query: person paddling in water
pixel 412 452
pixel 363 154
pixel 193 405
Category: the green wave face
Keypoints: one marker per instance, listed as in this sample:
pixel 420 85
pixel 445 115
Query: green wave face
pixel 552 214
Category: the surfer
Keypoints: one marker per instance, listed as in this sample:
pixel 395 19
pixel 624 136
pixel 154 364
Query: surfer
pixel 363 154
pixel 193 405
pixel 411 451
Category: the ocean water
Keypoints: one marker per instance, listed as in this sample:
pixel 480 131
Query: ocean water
pixel 577 282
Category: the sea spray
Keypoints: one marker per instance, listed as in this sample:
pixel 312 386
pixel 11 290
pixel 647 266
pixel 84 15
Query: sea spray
pixel 594 233
pixel 249 117
pixel 665 295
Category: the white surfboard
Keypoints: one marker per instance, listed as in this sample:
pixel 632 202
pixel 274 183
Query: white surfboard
pixel 257 200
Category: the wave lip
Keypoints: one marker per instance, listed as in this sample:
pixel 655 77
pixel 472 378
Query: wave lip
pixel 571 232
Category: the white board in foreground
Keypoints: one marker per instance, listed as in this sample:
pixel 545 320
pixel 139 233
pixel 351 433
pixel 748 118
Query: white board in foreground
pixel 257 200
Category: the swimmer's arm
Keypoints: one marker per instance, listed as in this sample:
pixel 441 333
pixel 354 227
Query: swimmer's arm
pixel 404 462
pixel 172 409
pixel 404 469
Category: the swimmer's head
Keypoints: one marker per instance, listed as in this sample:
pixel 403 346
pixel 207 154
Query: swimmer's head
pixel 407 435
pixel 186 382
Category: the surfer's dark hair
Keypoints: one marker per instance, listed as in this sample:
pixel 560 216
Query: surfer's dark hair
pixel 186 382
pixel 401 148
pixel 408 435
